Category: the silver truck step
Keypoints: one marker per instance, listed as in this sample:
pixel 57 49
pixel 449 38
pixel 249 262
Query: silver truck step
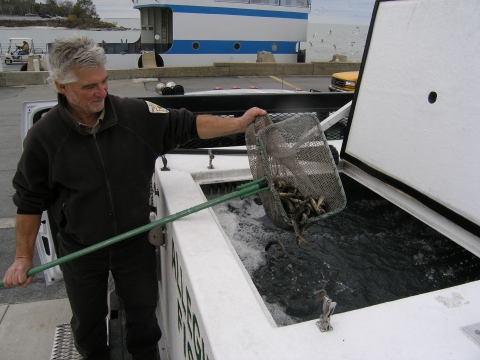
pixel 63 346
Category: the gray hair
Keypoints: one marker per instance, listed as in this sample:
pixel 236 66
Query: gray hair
pixel 79 51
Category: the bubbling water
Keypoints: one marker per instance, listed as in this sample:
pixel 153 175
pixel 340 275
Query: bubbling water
pixel 370 253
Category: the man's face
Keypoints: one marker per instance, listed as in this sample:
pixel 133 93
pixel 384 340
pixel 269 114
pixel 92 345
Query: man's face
pixel 87 95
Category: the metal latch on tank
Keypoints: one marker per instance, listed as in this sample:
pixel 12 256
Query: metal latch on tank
pixel 323 323
pixel 210 157
pixel 164 160
pixel 156 236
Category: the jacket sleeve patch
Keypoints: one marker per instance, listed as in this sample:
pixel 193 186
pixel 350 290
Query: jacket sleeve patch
pixel 156 109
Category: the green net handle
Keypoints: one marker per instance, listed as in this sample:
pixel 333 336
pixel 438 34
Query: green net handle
pixel 245 190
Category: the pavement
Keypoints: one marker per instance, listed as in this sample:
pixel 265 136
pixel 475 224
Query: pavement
pixel 11 67
pixel 28 316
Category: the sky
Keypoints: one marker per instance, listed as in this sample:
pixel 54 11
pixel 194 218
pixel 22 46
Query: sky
pixel 357 12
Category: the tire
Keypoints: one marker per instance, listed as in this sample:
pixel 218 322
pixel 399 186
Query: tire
pixel 335 153
pixel 24 67
pixel 178 90
pixel 8 62
pixel 167 91
pixel 158 60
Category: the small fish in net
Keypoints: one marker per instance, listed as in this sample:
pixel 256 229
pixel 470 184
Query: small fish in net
pixel 299 208
pixel 294 157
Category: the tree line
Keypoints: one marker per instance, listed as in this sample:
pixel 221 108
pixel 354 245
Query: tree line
pixel 81 14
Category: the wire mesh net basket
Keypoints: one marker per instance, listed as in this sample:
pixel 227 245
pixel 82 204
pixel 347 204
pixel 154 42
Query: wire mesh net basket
pixel 294 157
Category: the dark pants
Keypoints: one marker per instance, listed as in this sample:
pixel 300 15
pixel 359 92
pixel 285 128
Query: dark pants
pixel 133 267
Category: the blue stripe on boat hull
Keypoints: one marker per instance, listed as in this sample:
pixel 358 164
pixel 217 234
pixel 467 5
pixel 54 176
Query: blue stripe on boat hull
pixel 226 47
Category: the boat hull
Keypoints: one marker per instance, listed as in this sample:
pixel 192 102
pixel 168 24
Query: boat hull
pixel 200 33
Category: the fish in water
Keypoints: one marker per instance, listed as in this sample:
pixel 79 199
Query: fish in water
pixel 299 208
pixel 321 294
pixel 273 242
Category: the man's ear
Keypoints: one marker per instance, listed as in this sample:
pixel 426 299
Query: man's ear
pixel 61 87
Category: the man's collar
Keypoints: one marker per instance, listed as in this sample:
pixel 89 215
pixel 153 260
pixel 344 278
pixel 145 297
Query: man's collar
pixel 94 129
pixel 106 118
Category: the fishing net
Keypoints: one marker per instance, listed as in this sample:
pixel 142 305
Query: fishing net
pixel 294 157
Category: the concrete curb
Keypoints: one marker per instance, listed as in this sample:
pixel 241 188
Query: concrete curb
pixel 21 78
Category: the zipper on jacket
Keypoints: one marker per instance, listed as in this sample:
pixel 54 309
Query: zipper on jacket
pixel 109 189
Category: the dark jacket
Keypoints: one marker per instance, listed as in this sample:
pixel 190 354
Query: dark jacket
pixel 97 186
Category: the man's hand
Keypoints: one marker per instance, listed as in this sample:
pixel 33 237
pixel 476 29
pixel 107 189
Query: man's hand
pixel 16 275
pixel 249 116
pixel 26 229
pixel 211 126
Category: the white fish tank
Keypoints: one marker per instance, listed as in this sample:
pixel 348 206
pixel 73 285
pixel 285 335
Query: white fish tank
pixel 400 262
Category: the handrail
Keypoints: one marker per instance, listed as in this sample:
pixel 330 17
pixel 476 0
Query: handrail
pixel 297 3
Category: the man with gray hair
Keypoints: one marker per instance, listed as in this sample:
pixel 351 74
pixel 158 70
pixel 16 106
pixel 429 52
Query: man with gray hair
pixel 90 160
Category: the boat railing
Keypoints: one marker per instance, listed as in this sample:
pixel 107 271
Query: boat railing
pixel 110 48
pixel 3 48
pixel 293 3
pixel 121 47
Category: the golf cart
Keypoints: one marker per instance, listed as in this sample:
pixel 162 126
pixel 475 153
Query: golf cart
pixel 14 47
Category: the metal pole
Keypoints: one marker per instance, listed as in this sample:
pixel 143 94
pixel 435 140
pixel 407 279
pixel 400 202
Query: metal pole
pixel 255 188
